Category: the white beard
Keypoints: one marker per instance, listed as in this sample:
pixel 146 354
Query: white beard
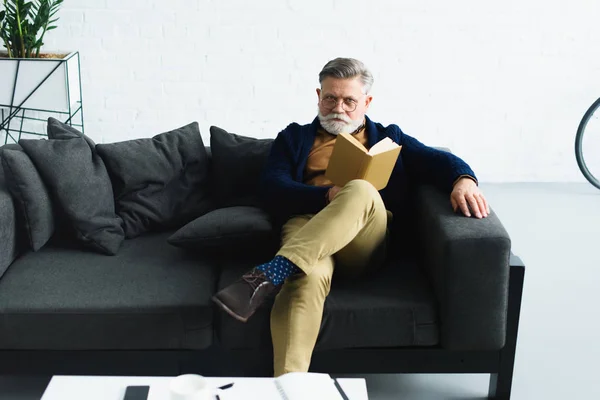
pixel 337 127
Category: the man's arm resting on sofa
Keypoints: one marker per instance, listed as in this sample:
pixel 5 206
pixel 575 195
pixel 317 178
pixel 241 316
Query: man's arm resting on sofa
pixel 467 260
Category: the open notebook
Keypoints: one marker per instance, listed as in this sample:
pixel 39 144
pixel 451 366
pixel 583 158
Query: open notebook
pixel 303 386
pixel 351 160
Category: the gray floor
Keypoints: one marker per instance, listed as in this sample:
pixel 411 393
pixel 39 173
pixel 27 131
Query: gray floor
pixel 555 229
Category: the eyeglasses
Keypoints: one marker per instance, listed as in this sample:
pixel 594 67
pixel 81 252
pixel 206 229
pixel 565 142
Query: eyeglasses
pixel 330 102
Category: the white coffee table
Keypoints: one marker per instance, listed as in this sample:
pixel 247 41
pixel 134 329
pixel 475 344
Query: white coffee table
pixel 63 387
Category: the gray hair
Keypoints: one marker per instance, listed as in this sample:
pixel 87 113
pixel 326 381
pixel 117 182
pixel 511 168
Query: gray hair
pixel 346 68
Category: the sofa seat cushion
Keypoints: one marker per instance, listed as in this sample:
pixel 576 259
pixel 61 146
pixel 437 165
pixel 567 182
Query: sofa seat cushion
pixel 394 307
pixel 150 295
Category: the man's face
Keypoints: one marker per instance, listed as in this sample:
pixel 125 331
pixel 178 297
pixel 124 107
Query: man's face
pixel 342 104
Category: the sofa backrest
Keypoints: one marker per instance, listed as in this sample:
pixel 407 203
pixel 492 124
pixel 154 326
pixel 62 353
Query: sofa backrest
pixel 11 242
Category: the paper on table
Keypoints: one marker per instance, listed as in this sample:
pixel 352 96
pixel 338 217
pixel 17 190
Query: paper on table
pixel 303 385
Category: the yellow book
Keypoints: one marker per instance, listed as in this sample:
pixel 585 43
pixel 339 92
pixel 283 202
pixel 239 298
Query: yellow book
pixel 351 160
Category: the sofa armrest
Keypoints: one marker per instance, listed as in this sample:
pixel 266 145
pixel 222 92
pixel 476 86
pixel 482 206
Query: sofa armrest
pixel 467 260
pixel 8 226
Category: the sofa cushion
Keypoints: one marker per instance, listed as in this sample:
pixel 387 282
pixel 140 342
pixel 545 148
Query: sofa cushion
pixel 149 296
pixel 394 307
pixel 239 228
pixel 159 182
pixel 79 186
pixel 59 130
pixel 11 244
pixel 237 162
pixel 32 200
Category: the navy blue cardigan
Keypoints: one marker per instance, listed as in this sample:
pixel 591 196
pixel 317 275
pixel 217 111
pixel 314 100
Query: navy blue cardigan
pixel 284 193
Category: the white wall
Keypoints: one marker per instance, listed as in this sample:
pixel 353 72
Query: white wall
pixel 504 84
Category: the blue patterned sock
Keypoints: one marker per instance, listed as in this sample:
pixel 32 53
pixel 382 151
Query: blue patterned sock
pixel 278 269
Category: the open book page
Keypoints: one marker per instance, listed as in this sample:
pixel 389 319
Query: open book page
pixel 307 385
pixel 380 166
pixel 353 140
pixel 347 160
pixel 382 146
pixel 351 160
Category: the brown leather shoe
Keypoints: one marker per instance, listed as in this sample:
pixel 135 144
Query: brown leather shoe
pixel 244 296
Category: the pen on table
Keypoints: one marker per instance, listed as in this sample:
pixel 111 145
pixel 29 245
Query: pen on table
pixel 339 388
pixel 226 386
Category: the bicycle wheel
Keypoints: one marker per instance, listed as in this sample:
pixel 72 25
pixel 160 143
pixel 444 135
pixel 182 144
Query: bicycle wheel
pixel 587 144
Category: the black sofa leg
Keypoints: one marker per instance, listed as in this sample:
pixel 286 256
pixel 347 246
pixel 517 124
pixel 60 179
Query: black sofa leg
pixel 501 382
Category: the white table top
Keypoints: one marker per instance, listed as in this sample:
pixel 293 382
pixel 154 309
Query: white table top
pixel 63 387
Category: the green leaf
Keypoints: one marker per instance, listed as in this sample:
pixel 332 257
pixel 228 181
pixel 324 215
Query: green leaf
pixel 25 9
pixel 22 21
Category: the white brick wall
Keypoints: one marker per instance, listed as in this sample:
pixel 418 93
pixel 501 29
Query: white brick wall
pixel 504 84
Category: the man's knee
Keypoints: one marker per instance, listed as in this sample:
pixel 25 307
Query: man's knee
pixel 318 281
pixel 362 187
pixel 360 191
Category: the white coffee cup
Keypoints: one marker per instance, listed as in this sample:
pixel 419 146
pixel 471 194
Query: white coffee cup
pixel 191 387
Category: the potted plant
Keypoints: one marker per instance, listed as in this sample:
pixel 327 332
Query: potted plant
pixel 30 80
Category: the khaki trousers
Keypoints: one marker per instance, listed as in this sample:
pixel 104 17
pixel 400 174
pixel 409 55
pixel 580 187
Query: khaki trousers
pixel 348 235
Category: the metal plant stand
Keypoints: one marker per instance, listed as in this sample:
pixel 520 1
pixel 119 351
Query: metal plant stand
pixel 51 88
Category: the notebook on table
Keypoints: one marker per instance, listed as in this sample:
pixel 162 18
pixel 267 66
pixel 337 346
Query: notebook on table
pixel 314 386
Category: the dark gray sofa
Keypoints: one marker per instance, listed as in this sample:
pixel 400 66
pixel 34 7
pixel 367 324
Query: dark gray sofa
pixel 450 305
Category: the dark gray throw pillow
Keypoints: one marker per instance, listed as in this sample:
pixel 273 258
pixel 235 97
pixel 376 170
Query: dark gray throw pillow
pixel 59 130
pixel 237 162
pixel 239 228
pixel 34 206
pixel 159 182
pixel 79 186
